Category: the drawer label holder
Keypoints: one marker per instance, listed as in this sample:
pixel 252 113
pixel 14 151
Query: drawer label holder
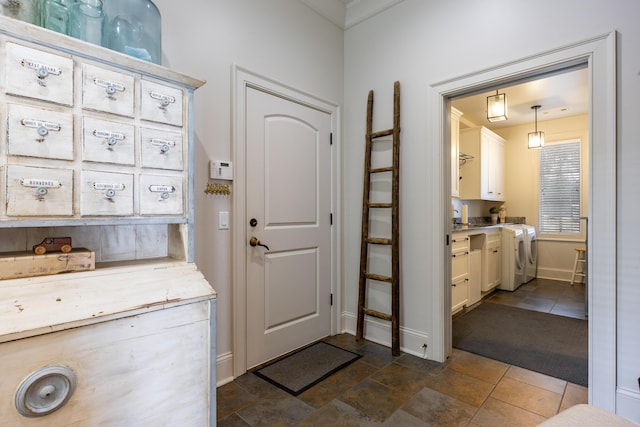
pixel 111 138
pixel 164 190
pixel 43 127
pixel 109 189
pixel 109 87
pixel 42 70
pixel 164 144
pixel 42 186
pixel 165 100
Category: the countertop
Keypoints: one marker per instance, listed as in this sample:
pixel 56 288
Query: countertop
pixel 477 227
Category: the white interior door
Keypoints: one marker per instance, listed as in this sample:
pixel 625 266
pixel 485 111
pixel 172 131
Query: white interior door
pixel 288 207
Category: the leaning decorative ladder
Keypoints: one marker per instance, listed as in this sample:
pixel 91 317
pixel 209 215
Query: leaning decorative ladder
pixel 394 241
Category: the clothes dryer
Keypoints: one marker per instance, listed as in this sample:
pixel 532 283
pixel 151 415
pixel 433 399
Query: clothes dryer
pixel 531 250
pixel 513 258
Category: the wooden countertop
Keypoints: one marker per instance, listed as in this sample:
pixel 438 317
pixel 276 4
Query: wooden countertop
pixel 38 305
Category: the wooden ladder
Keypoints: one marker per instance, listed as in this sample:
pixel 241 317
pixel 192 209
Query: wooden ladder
pixel 394 241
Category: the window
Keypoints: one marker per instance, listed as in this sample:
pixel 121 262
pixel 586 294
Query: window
pixel 560 188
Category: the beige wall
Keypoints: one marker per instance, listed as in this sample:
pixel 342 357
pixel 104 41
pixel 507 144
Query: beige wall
pixel 555 253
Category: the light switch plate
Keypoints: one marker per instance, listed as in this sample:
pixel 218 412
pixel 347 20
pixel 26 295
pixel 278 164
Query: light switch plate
pixel 223 220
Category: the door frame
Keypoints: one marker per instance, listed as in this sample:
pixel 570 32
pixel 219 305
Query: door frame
pixel 599 53
pixel 243 78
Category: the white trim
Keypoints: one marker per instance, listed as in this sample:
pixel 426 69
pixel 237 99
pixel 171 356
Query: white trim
pixel 411 341
pixel 600 55
pixel 241 79
pixel 224 368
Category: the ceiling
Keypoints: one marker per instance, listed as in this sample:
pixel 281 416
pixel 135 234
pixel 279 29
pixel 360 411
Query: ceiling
pixel 560 95
pixel 347 13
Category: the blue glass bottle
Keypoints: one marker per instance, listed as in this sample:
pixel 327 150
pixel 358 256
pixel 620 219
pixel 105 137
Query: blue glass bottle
pixel 134 28
pixel 56 15
pixel 87 19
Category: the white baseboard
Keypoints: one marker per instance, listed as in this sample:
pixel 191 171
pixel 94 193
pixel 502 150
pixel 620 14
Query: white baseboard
pixel 411 340
pixel 554 274
pixel 628 405
pixel 224 369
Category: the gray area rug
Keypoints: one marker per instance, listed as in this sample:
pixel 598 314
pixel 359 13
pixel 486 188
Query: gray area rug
pixel 305 368
pixel 541 342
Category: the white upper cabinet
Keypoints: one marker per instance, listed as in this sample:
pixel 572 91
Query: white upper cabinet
pixel 482 177
pixel 455 152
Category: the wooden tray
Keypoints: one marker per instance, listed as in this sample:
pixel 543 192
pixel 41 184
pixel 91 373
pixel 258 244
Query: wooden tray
pixel 15 265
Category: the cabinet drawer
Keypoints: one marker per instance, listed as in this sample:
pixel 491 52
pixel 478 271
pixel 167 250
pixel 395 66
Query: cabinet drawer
pixel 106 193
pixel 459 293
pixel 37 74
pixel 161 103
pixel 459 263
pixel 108 142
pixel 459 241
pixel 106 90
pixel 161 149
pixel 38 132
pixel 38 191
pixel 161 195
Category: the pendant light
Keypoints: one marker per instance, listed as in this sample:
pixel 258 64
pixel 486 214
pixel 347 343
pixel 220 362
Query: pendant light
pixel 536 139
pixel 497 107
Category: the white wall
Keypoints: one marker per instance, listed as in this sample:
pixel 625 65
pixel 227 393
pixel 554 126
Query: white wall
pixel 280 39
pixel 421 43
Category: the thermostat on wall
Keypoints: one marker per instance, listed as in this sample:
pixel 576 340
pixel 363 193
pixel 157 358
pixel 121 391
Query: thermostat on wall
pixel 220 169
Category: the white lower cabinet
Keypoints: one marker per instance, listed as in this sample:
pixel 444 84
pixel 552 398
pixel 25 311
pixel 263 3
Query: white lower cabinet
pixel 492 268
pixel 459 271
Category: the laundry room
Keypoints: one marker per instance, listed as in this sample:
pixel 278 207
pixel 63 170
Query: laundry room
pixel 519 171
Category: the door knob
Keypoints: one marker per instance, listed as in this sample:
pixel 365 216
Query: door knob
pixel 255 242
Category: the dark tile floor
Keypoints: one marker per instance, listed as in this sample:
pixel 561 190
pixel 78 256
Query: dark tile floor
pixel 382 390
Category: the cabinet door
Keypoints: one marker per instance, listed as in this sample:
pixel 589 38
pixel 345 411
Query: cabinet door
pixel 459 264
pixel 36 74
pixel 496 169
pixel 455 152
pixel 459 293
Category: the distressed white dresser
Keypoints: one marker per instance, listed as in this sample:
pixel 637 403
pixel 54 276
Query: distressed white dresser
pixel 98 146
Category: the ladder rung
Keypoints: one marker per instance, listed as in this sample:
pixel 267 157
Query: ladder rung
pixel 374 313
pixel 385 169
pixel 382 133
pixel 379 277
pixel 379 241
pixel 380 205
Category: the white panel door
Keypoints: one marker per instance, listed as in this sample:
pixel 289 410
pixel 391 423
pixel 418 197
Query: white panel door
pixel 288 210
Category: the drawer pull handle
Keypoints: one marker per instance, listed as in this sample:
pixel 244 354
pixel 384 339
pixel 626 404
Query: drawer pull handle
pixel 164 190
pixel 109 87
pixel 42 127
pixel 109 189
pixel 165 145
pixel 111 138
pixel 42 186
pixel 165 100
pixel 45 391
pixel 42 70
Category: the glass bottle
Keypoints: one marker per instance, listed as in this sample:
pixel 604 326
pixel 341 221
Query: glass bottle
pixel 86 21
pixel 134 28
pixel 24 10
pixel 56 15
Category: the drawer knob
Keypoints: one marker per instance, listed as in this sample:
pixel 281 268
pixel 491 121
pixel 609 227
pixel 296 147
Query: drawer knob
pixel 45 391
pixel 43 131
pixel 42 72
pixel 41 191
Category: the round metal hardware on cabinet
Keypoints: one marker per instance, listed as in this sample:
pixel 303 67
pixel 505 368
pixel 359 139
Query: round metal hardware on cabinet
pixel 45 391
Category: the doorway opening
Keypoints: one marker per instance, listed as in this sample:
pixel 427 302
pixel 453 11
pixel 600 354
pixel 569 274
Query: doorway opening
pixel 599 56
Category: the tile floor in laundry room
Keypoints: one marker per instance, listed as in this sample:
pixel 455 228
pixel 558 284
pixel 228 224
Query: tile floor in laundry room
pixel 382 390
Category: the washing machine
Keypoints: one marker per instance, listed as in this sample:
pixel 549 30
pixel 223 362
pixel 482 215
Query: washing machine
pixel 531 251
pixel 513 258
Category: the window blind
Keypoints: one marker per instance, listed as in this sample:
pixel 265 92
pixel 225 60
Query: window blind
pixel 560 188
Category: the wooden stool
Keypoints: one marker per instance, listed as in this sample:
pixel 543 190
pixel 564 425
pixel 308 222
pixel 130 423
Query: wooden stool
pixel 581 258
